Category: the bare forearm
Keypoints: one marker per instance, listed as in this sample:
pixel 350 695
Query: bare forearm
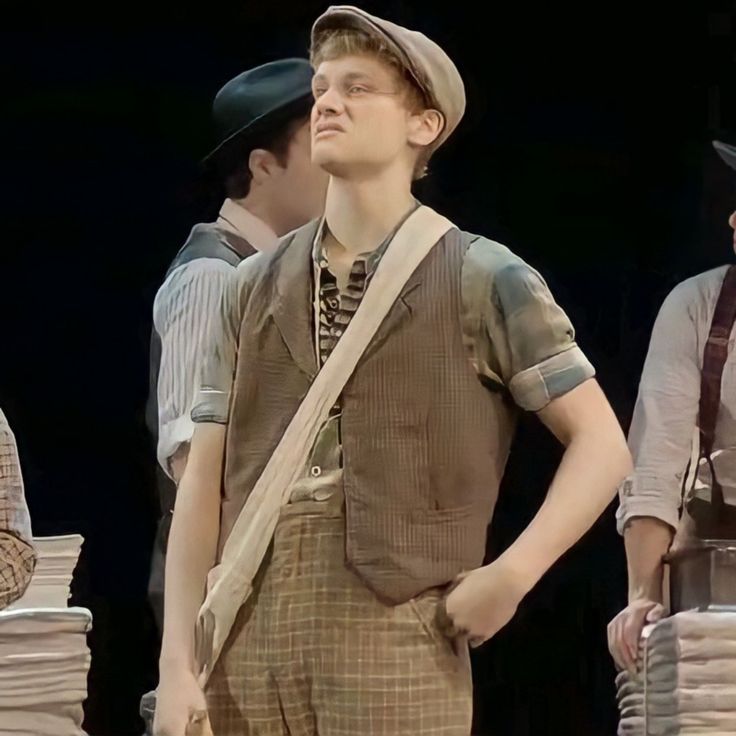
pixel 647 541
pixel 191 551
pixel 593 465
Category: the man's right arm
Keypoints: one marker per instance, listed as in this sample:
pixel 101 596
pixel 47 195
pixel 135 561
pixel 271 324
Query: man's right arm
pixel 660 440
pixel 195 529
pixel 191 555
pixel 647 541
pixel 192 543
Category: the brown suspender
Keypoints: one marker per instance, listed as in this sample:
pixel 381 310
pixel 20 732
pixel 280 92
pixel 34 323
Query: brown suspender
pixel 714 518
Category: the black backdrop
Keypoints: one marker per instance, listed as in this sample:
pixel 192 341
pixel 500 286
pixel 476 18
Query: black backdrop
pixel 585 149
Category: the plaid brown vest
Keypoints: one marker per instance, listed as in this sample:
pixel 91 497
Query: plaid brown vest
pixel 424 443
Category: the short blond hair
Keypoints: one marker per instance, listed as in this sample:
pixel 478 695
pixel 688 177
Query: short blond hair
pixel 348 42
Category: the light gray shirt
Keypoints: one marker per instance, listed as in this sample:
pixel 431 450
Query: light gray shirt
pixel 663 434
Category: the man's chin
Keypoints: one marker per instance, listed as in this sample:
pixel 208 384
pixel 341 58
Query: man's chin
pixel 332 165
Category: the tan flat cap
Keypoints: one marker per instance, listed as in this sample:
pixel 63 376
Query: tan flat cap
pixel 431 68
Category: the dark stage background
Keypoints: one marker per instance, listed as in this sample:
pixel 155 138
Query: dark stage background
pixel 585 149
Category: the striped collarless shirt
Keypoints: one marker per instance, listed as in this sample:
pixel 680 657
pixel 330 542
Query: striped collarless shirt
pixel 182 316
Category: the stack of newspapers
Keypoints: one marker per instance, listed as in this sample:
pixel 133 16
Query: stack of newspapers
pixel 686 680
pixel 44 657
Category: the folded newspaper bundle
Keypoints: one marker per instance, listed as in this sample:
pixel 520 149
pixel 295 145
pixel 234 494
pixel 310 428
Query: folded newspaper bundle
pixel 686 680
pixel 44 657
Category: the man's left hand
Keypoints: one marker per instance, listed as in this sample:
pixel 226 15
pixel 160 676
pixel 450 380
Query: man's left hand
pixel 483 601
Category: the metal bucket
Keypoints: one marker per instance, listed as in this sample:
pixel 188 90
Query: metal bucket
pixel 703 576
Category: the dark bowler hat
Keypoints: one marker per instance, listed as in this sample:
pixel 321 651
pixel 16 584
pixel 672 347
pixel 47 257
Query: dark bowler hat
pixel 726 152
pixel 260 99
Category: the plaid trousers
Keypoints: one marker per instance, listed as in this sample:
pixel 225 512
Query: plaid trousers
pixel 314 651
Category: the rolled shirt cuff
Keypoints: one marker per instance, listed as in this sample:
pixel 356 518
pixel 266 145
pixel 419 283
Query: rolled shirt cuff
pixel 211 405
pixel 635 501
pixel 535 387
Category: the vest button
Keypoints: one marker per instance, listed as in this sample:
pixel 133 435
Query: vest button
pixel 316 471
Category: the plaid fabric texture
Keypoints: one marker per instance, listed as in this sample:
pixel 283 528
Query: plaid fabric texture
pixel 314 651
pixel 17 556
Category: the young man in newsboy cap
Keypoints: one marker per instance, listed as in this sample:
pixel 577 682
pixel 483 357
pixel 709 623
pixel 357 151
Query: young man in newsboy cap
pixel 369 589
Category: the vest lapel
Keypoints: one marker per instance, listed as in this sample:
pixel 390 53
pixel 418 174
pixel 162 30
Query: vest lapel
pixel 402 308
pixel 399 313
pixel 293 309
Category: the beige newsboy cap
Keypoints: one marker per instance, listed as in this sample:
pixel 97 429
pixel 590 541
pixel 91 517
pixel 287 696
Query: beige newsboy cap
pixel 431 68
